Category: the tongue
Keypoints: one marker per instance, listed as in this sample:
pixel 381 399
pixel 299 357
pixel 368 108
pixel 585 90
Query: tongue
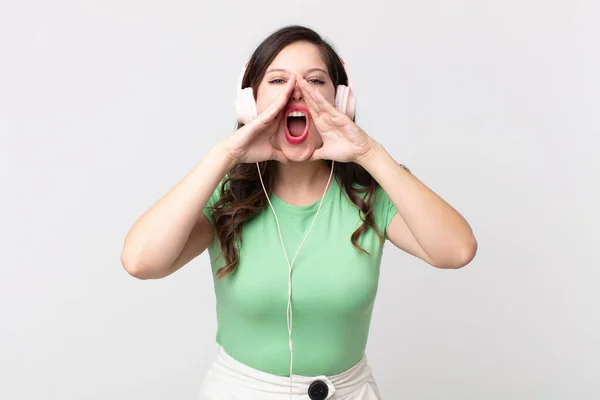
pixel 296 126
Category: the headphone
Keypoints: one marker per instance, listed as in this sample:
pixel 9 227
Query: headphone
pixel 245 104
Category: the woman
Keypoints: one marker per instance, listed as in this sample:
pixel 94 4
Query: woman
pixel 298 187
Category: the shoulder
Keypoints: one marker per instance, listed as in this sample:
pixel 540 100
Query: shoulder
pixel 381 206
pixel 213 199
pixel 216 195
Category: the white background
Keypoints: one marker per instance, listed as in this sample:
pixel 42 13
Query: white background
pixel 105 105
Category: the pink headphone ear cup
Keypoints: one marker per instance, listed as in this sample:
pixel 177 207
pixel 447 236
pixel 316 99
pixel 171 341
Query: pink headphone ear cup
pixel 345 101
pixel 245 106
pixel 351 104
pixel 239 107
pixel 340 93
pixel 251 104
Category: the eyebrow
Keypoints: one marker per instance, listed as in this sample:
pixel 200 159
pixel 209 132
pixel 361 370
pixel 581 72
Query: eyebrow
pixel 285 70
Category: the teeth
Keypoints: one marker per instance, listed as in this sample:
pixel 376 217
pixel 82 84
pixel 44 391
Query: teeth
pixel 296 114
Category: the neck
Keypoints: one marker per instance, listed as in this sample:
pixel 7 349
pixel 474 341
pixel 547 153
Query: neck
pixel 301 177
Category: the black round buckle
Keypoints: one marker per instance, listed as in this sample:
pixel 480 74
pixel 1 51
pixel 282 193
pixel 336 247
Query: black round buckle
pixel 318 390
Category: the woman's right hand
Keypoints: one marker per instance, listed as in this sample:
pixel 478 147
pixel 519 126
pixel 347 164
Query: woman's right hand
pixel 253 142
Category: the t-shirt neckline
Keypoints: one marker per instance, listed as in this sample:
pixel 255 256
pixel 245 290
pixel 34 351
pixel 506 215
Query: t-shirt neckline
pixel 279 204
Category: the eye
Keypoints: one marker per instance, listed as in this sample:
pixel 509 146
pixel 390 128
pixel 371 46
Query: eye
pixel 276 81
pixel 316 81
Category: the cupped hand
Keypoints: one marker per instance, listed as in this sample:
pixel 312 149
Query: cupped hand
pixel 253 142
pixel 343 139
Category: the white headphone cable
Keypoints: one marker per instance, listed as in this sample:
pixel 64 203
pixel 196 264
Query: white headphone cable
pixel 289 307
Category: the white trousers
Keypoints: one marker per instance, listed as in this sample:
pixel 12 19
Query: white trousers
pixel 229 379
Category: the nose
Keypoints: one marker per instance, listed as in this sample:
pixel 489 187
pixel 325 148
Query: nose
pixel 297 93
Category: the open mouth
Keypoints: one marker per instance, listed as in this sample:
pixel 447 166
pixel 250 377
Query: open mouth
pixel 296 124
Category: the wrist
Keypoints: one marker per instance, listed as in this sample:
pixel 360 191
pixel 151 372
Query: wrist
pixel 375 151
pixel 222 152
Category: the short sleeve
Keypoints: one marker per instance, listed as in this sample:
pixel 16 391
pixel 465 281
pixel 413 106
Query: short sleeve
pixel 384 210
pixel 208 210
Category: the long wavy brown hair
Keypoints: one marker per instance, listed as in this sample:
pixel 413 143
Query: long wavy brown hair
pixel 241 195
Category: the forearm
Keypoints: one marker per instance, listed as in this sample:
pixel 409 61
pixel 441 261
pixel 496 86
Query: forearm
pixel 443 234
pixel 159 235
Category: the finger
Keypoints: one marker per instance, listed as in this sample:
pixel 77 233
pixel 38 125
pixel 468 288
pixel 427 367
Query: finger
pixel 307 93
pixel 275 108
pixel 316 98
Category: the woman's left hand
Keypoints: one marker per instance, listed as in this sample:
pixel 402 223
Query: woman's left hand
pixel 343 140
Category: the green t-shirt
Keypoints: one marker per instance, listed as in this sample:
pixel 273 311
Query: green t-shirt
pixel 333 286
